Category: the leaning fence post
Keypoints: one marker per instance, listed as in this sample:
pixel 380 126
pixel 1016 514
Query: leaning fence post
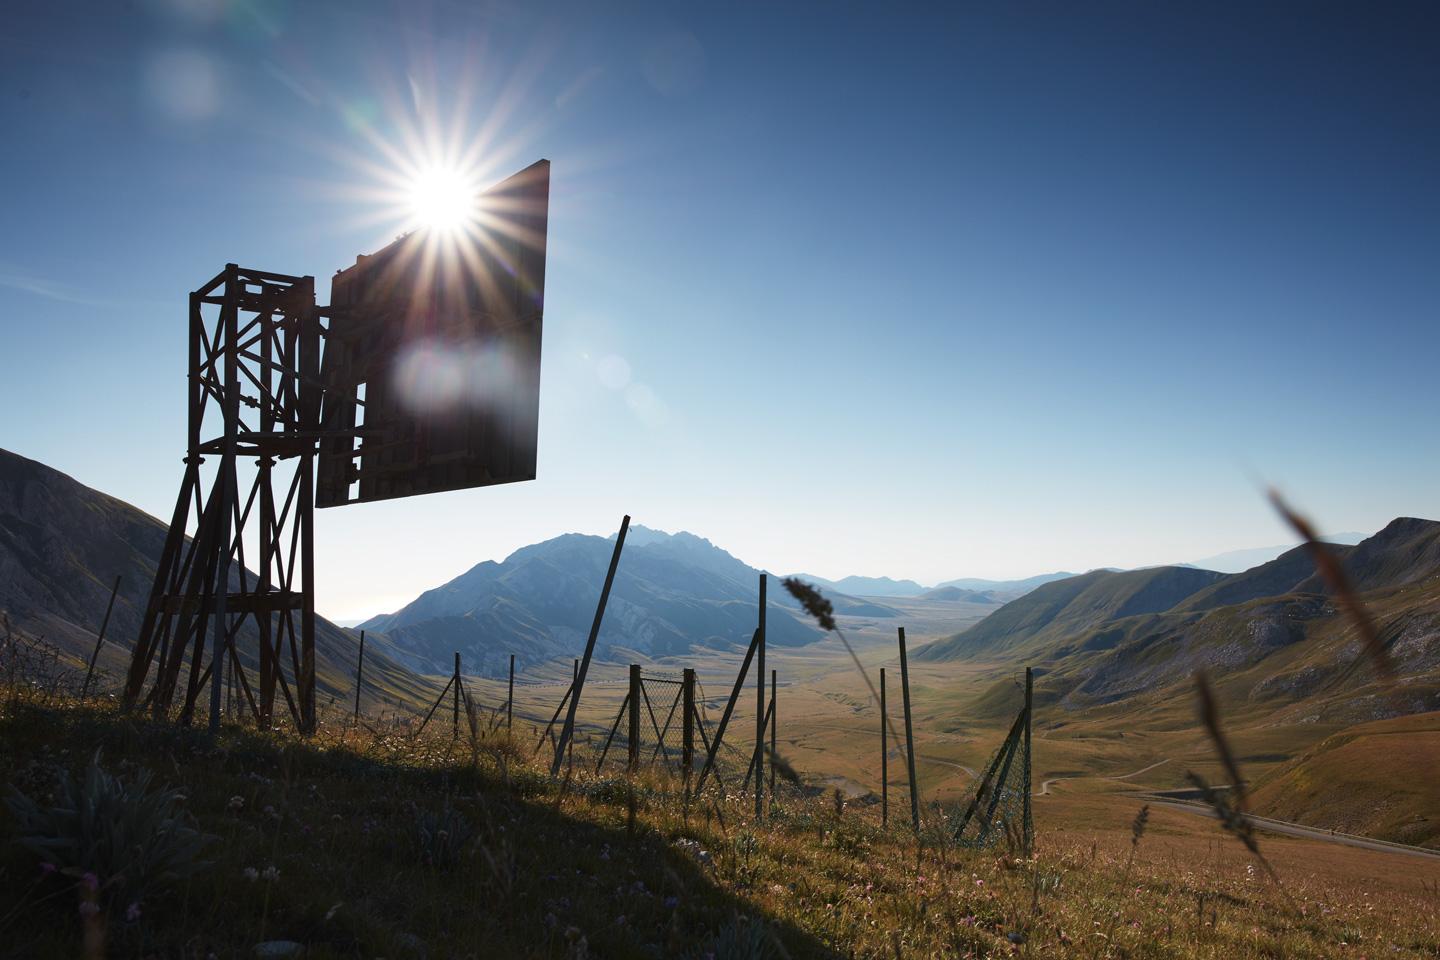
pixel 509 697
pixel 713 749
pixel 884 757
pixel 574 691
pixel 100 639
pixel 774 722
pixel 909 734
pixel 568 730
pixel 633 748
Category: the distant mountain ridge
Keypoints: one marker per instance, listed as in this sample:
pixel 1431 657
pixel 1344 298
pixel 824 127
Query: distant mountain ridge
pixel 864 586
pixel 1238 561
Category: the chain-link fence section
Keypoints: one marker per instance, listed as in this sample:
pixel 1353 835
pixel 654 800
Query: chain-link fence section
pixel 1000 809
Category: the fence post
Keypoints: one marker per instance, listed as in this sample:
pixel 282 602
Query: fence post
pixel 567 731
pixel 509 697
pixel 359 676
pixel 884 757
pixel 760 710
pixel 455 714
pixel 633 756
pixel 1029 826
pixel 909 734
pixel 687 728
pixel 100 639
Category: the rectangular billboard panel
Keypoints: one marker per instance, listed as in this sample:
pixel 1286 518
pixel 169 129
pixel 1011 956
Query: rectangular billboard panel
pixel 432 358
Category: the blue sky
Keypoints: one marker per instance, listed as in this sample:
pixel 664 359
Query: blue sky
pixel 847 289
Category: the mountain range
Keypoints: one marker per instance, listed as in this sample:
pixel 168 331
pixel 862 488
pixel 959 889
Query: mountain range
pixel 671 592
pixel 1272 635
pixel 984 591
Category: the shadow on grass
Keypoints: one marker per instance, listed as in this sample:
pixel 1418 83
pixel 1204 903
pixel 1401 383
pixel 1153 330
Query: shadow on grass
pixel 351 850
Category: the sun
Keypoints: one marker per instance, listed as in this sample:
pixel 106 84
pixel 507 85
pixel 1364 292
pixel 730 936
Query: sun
pixel 442 199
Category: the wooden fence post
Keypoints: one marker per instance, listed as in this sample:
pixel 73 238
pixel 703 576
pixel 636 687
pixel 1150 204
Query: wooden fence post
pixel 760 709
pixel 633 756
pixel 359 676
pixel 687 727
pixel 884 757
pixel 909 734
pixel 1028 828
pixel 90 670
pixel 510 697
pixel 456 711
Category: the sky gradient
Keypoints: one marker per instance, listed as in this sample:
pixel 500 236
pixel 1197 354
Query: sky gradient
pixel 885 291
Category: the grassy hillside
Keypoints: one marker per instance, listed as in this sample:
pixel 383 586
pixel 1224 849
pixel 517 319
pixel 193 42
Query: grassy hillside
pixel 358 844
pixel 1064 608
pixel 1375 779
pixel 61 546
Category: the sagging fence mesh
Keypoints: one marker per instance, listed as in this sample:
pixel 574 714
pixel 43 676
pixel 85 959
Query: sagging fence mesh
pixel 999 812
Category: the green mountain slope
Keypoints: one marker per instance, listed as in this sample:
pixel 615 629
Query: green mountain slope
pixel 1065 608
pixel 1285 657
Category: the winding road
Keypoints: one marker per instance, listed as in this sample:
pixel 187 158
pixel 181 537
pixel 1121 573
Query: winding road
pixel 1283 827
pixel 1044 790
pixel 1289 829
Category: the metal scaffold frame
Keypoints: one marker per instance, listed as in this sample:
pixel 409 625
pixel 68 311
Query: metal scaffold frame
pixel 254 360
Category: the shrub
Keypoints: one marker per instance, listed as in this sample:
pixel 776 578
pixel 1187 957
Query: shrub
pixel 131 839
pixel 441 836
pixel 744 938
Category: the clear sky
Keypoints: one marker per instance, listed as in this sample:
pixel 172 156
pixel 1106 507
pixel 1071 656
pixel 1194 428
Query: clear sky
pixel 928 292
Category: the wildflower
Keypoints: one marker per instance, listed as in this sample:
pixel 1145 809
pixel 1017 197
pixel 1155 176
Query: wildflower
pixel 90 882
pixel 47 868
pixel 671 902
pixel 252 874
pixel 132 913
pixel 88 909
pixel 270 874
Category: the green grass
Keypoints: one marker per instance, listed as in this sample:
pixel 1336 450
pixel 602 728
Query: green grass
pixel 548 872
